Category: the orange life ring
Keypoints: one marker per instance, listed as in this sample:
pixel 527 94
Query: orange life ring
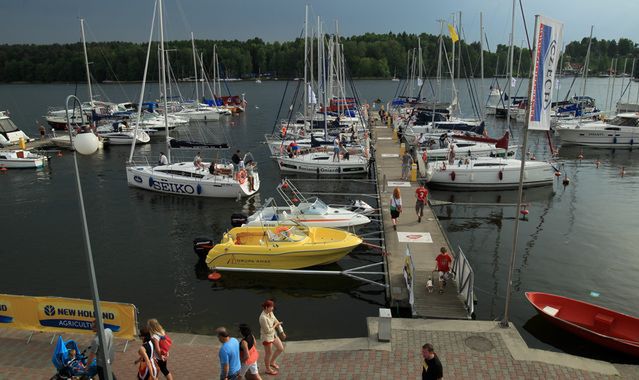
pixel 241 176
pixel 280 229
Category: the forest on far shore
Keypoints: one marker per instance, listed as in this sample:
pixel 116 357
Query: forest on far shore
pixel 367 56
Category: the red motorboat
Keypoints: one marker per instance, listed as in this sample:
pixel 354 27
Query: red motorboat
pixel 602 326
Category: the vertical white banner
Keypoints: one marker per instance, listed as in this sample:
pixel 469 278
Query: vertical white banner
pixel 548 41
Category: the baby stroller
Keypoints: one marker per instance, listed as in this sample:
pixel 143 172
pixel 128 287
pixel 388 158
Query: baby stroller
pixel 69 367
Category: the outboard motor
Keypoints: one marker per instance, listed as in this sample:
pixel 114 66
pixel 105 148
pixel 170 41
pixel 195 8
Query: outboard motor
pixel 237 220
pixel 202 246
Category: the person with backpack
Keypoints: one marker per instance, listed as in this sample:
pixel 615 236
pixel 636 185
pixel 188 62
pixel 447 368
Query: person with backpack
pixel 161 344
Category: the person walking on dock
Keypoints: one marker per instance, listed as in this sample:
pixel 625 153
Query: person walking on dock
pixel 108 346
pixel 270 327
pixel 395 206
pixel 229 355
pixel 432 368
pixel 248 354
pixel 421 193
pixel 161 344
pixel 444 261
pixel 407 163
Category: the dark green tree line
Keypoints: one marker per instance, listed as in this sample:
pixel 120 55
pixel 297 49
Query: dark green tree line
pixel 367 56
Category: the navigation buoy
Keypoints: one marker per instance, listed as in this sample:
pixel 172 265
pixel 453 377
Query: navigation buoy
pixel 214 276
pixel 3 170
pixel 285 185
pixel 295 200
pixel 557 173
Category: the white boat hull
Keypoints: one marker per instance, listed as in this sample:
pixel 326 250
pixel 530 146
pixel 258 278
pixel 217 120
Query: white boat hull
pixel 175 179
pixel 11 159
pixel 322 163
pixel 497 174
pixel 334 218
pixel 597 135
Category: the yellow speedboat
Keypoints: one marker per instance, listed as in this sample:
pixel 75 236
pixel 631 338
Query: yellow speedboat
pixel 281 247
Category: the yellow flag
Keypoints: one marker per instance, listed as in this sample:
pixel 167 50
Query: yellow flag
pixel 453 33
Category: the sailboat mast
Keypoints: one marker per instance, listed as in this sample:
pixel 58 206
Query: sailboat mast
pixel 452 69
pixel 197 95
pixel 459 58
pixel 481 59
pixel 305 63
pixel 163 70
pixel 86 61
pixel 439 71
pixel 143 88
pixel 504 321
pixel 585 73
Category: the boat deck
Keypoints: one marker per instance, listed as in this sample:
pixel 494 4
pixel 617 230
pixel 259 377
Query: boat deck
pixel 448 305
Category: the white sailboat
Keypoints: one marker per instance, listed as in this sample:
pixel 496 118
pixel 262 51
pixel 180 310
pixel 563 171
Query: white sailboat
pixel 620 132
pixel 201 179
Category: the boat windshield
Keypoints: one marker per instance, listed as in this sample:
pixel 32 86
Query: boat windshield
pixel 317 207
pixel 624 121
pixel 6 126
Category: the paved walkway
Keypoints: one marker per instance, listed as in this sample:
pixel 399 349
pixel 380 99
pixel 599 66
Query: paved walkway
pixel 468 350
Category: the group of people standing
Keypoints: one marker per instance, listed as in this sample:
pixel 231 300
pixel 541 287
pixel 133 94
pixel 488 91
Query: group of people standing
pixel 238 358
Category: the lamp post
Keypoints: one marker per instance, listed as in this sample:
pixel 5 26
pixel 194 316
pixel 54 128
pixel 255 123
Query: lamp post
pixel 87 143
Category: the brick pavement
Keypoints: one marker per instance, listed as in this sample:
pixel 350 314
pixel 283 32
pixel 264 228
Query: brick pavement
pixel 467 349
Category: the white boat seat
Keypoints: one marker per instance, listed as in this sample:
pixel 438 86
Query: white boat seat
pixel 550 310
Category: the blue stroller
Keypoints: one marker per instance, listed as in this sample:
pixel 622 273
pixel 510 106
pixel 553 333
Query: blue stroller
pixel 69 366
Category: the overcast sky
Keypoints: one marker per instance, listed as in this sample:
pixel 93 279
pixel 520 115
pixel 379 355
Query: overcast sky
pixel 48 21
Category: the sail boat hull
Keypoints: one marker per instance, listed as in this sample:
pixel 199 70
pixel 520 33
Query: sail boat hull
pixel 185 179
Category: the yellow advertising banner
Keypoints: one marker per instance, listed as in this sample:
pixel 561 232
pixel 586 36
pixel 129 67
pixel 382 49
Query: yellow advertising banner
pixel 65 315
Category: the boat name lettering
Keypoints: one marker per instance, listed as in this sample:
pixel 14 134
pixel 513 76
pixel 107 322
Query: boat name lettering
pixel 173 187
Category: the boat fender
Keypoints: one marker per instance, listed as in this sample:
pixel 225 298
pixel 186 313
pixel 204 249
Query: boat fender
pixel 452 175
pixel 501 175
pixel 443 166
pixel 198 188
pixel 632 141
pixel 151 181
pixel 614 140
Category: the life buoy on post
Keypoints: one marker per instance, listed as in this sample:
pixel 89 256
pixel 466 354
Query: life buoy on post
pixel 241 176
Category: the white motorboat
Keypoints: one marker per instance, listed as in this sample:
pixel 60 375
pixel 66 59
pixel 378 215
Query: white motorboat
pixel 122 134
pixel 323 163
pixel 9 132
pixel 184 178
pixel 64 142
pixel 21 159
pixel 201 113
pixel 312 212
pixel 620 132
pixel 488 173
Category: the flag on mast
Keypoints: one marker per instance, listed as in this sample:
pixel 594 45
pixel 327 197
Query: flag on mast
pixel 453 33
pixel 548 40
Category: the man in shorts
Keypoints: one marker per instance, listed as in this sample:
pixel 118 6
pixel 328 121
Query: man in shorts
pixel 421 193
pixel 444 261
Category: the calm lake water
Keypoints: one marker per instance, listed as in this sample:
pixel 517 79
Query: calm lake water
pixel 577 239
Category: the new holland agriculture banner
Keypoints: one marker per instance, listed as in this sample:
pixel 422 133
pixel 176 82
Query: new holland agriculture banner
pixel 65 315
pixel 548 39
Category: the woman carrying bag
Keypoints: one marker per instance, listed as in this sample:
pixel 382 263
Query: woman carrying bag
pixel 395 206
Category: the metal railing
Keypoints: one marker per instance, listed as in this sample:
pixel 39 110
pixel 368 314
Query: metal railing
pixel 465 280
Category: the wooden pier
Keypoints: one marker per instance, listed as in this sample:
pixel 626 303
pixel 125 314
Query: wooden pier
pixel 449 305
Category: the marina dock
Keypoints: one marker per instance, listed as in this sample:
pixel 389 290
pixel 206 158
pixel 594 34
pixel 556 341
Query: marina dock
pixel 423 240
